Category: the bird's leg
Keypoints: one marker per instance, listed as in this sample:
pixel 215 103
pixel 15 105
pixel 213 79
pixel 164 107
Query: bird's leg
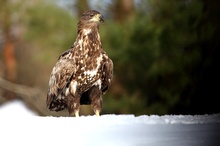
pixel 73 103
pixel 96 100
pixel 76 113
pixel 97 113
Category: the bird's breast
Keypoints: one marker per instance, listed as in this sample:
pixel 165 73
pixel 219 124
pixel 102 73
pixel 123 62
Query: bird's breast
pixel 89 71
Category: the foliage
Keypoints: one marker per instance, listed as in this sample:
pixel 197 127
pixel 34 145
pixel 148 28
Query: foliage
pixel 157 55
pixel 48 30
pixel 51 27
pixel 163 55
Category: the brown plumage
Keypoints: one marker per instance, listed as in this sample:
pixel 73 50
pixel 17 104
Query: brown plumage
pixel 83 73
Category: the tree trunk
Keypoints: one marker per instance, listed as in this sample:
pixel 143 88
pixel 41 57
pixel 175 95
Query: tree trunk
pixel 123 9
pixel 8 46
pixel 10 61
pixel 82 6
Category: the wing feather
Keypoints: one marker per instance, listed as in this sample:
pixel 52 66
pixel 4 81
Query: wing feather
pixel 60 77
pixel 107 72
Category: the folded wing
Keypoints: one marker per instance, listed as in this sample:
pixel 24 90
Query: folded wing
pixel 60 78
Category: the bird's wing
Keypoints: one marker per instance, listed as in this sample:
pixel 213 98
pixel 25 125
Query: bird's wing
pixel 107 72
pixel 61 75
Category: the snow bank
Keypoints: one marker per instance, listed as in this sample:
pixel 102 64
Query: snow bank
pixel 109 130
pixel 15 108
pixel 181 119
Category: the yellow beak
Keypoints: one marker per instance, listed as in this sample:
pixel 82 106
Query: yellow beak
pixel 98 17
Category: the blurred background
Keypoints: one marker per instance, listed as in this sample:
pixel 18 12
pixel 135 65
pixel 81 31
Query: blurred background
pixel 165 53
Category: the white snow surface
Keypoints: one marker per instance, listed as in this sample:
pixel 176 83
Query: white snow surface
pixel 19 126
pixel 9 108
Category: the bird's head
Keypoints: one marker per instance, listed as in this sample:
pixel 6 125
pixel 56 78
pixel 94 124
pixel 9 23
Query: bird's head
pixel 90 20
pixel 92 16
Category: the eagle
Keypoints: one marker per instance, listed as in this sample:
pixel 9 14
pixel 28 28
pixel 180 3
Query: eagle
pixel 83 73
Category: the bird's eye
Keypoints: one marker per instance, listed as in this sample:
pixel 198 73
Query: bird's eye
pixel 91 15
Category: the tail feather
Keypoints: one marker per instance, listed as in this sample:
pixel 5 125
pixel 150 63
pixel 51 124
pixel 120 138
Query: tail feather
pixel 56 103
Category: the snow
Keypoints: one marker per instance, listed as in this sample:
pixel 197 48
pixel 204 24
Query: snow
pixel 22 127
pixel 8 109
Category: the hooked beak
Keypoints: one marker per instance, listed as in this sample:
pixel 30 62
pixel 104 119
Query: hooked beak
pixel 98 18
pixel 101 18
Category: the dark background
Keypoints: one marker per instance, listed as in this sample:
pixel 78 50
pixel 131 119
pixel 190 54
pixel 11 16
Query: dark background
pixel 165 53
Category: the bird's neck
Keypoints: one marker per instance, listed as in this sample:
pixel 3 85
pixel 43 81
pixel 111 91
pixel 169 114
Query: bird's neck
pixel 88 37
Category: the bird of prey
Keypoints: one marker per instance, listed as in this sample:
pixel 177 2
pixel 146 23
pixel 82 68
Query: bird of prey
pixel 83 73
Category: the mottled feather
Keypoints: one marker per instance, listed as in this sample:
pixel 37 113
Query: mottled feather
pixel 84 72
